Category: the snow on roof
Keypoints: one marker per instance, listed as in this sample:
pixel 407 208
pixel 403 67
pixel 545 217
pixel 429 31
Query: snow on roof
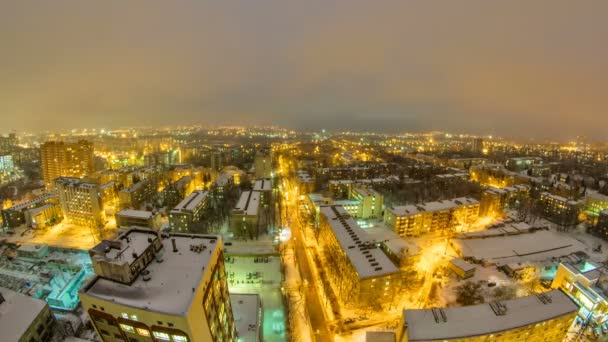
pixel 191 202
pixel 365 191
pixel 169 289
pixel 368 260
pixel 463 265
pixel 248 203
pixel 502 250
pixel 22 206
pixel 262 185
pixel 140 214
pixel 479 320
pixel 379 336
pixel 246 308
pixel 413 209
pixel 17 313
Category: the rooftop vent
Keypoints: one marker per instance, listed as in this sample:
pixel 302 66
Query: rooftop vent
pixel 174 245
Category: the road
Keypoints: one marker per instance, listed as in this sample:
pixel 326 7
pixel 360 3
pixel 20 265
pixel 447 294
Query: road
pixel 313 301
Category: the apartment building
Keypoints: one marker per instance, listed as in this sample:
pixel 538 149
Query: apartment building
pixel 188 213
pixel 494 201
pixel 15 216
pixel 244 221
pixel 264 187
pixel 447 216
pixel 560 210
pixel 371 201
pixel 63 159
pixel 360 270
pixel 153 287
pixel 81 202
pixel 263 163
pixel 542 317
pixel 135 195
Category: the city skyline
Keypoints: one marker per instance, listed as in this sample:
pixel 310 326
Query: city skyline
pixel 502 69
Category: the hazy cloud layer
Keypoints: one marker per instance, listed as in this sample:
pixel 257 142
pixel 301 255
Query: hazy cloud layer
pixel 532 68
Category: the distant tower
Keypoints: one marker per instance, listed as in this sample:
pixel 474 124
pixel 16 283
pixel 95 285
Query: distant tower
pixel 477 145
pixel 263 163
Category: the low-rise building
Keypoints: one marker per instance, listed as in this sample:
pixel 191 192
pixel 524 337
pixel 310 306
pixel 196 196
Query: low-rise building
pixel 248 316
pixel 447 215
pixel 159 287
pixel 26 319
pixel 362 274
pixel 541 317
pixel 601 227
pixel 186 216
pixel 15 216
pixel 44 216
pixel 245 215
pixel 462 268
pixel 127 218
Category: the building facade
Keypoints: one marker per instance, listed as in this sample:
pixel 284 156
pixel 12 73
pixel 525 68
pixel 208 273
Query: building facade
pixel 245 218
pixel 81 202
pixel 371 201
pixel 127 218
pixel 263 163
pixel 63 159
pixel 186 216
pixel 152 287
pixel 448 216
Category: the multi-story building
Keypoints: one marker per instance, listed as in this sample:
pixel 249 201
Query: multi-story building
pixel 127 218
pixel 135 195
pixel 26 319
pixel 189 212
pixel 371 201
pixel 15 216
pixel 585 282
pixel 159 287
pixel 169 157
pixel 361 272
pixel 560 210
pixel 446 216
pixel 81 202
pixel 494 201
pixel 244 221
pixel 522 163
pixel 601 226
pixel 264 187
pixel 316 201
pixel 477 145
pixel 222 183
pixel 63 159
pixel 305 182
pixel 44 216
pixel 263 163
pixel 542 317
pixel 178 190
pixel 595 202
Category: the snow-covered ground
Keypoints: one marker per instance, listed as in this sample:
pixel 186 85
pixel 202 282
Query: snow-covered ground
pixel 62 235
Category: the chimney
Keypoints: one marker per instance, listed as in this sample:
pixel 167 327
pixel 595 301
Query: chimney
pixel 174 246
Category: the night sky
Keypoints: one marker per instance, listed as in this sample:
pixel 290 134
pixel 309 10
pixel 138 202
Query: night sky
pixel 514 68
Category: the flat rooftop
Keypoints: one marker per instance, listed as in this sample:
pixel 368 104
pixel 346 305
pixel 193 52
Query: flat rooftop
pixel 413 209
pixel 248 203
pixel 246 311
pixel 37 200
pixel 475 320
pixel 262 185
pixel 192 201
pixel 169 289
pixel 368 260
pixel 17 313
pixel 139 214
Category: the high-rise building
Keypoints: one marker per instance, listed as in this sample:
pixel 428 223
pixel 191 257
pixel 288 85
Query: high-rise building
pixel 477 145
pixel 159 287
pixel 263 163
pixel 541 317
pixel 81 202
pixel 62 159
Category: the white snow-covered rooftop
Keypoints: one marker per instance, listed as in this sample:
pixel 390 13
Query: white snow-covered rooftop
pixel 131 213
pixel 246 311
pixel 413 209
pixel 169 289
pixel 368 260
pixel 248 203
pixel 17 313
pixel 479 320
pixel 191 202
pixel 501 250
pixel 262 185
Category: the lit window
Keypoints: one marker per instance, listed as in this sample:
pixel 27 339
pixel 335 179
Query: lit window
pixel 161 336
pixel 127 328
pixel 180 338
pixel 124 315
pixel 143 332
pixel 134 317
